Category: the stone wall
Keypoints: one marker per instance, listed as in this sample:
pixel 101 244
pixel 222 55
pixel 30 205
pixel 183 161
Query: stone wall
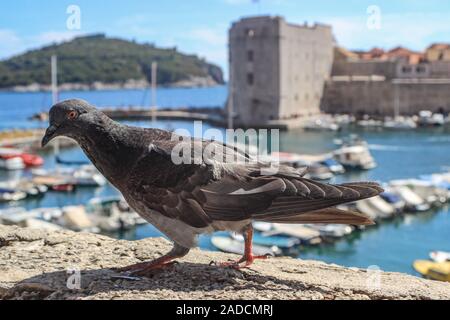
pixel 378 97
pixel 36 264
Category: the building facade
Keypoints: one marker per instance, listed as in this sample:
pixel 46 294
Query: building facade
pixel 396 82
pixel 277 71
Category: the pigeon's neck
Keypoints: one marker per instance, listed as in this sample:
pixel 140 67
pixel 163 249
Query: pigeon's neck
pixel 113 148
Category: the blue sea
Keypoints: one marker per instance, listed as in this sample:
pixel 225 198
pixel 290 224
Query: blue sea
pixel 392 246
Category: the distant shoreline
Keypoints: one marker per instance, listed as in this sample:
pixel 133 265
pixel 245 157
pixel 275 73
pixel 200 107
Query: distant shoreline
pixel 199 82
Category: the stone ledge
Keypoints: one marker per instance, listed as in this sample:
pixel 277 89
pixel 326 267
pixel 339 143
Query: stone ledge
pixel 34 264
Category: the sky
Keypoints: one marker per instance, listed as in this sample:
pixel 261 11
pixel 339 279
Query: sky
pixel 201 26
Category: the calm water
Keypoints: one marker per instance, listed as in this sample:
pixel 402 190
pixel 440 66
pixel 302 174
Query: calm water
pixel 393 246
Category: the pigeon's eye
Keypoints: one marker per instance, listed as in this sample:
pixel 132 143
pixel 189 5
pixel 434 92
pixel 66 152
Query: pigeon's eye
pixel 72 115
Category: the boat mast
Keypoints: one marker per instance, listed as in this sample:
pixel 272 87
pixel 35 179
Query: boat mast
pixel 396 102
pixel 54 71
pixel 230 106
pixel 54 74
pixel 154 84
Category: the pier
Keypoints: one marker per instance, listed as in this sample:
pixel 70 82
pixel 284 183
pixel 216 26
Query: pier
pixel 212 115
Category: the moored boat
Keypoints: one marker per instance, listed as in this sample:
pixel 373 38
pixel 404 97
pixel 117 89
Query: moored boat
pixel 356 157
pixel 433 270
pixel 226 244
pixel 28 159
pixel 269 241
pixel 413 202
pixel 440 256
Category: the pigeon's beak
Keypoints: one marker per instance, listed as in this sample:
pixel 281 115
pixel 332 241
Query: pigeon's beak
pixel 49 135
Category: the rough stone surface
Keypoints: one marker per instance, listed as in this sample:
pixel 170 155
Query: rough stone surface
pixel 34 265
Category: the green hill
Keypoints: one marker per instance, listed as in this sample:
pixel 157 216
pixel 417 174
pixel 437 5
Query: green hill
pixel 93 58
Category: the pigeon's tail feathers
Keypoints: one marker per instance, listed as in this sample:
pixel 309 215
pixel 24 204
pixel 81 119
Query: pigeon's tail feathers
pixel 328 216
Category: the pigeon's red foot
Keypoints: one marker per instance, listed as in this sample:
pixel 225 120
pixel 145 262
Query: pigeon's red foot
pixel 140 269
pixel 242 263
pixel 248 258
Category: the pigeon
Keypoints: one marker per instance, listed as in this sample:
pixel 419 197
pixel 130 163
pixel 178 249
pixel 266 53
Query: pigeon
pixel 203 193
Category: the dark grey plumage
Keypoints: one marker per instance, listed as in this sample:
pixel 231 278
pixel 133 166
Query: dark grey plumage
pixel 184 200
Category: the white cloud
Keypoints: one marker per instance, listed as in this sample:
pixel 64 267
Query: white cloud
pixel 137 25
pixel 12 44
pixel 55 37
pixel 210 36
pixel 414 30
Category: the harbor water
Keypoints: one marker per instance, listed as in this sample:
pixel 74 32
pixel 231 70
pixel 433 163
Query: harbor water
pixel 392 245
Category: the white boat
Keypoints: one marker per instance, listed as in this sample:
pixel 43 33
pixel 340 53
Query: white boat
pixel 24 185
pixel 317 171
pixel 7 195
pixel 11 163
pixel 400 123
pixel 75 218
pixel 412 200
pixel 355 157
pixel 112 214
pixel 432 194
pixel 334 166
pixel 304 233
pixel 321 125
pixel 383 209
pixel 262 226
pixel 227 244
pixel 16 215
pixel 365 208
pixel 86 175
pixel 34 223
pixel 332 230
pixel 428 118
pixel 440 256
pixel 369 123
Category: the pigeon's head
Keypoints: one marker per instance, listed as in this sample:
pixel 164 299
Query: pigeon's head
pixel 70 118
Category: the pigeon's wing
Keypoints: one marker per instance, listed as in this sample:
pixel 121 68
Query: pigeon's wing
pixel 203 189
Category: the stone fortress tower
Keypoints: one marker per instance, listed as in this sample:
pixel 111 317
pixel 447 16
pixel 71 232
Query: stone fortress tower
pixel 277 71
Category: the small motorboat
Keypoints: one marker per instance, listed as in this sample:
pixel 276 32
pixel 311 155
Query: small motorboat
pixel 440 256
pixel 321 125
pixel 227 244
pixel 113 214
pixel 332 230
pixel 334 166
pixel 7 195
pixel 269 241
pixel 430 119
pixel 413 202
pixel 85 176
pixel 28 159
pixel 433 195
pixel 365 208
pixel 393 200
pixel 383 209
pixel 433 270
pixel 356 157
pixel 317 171
pixel 24 185
pixel 305 234
pixel 16 215
pixel 400 123
pixel 11 162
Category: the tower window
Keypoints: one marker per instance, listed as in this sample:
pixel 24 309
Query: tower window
pixel 250 55
pixel 250 79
